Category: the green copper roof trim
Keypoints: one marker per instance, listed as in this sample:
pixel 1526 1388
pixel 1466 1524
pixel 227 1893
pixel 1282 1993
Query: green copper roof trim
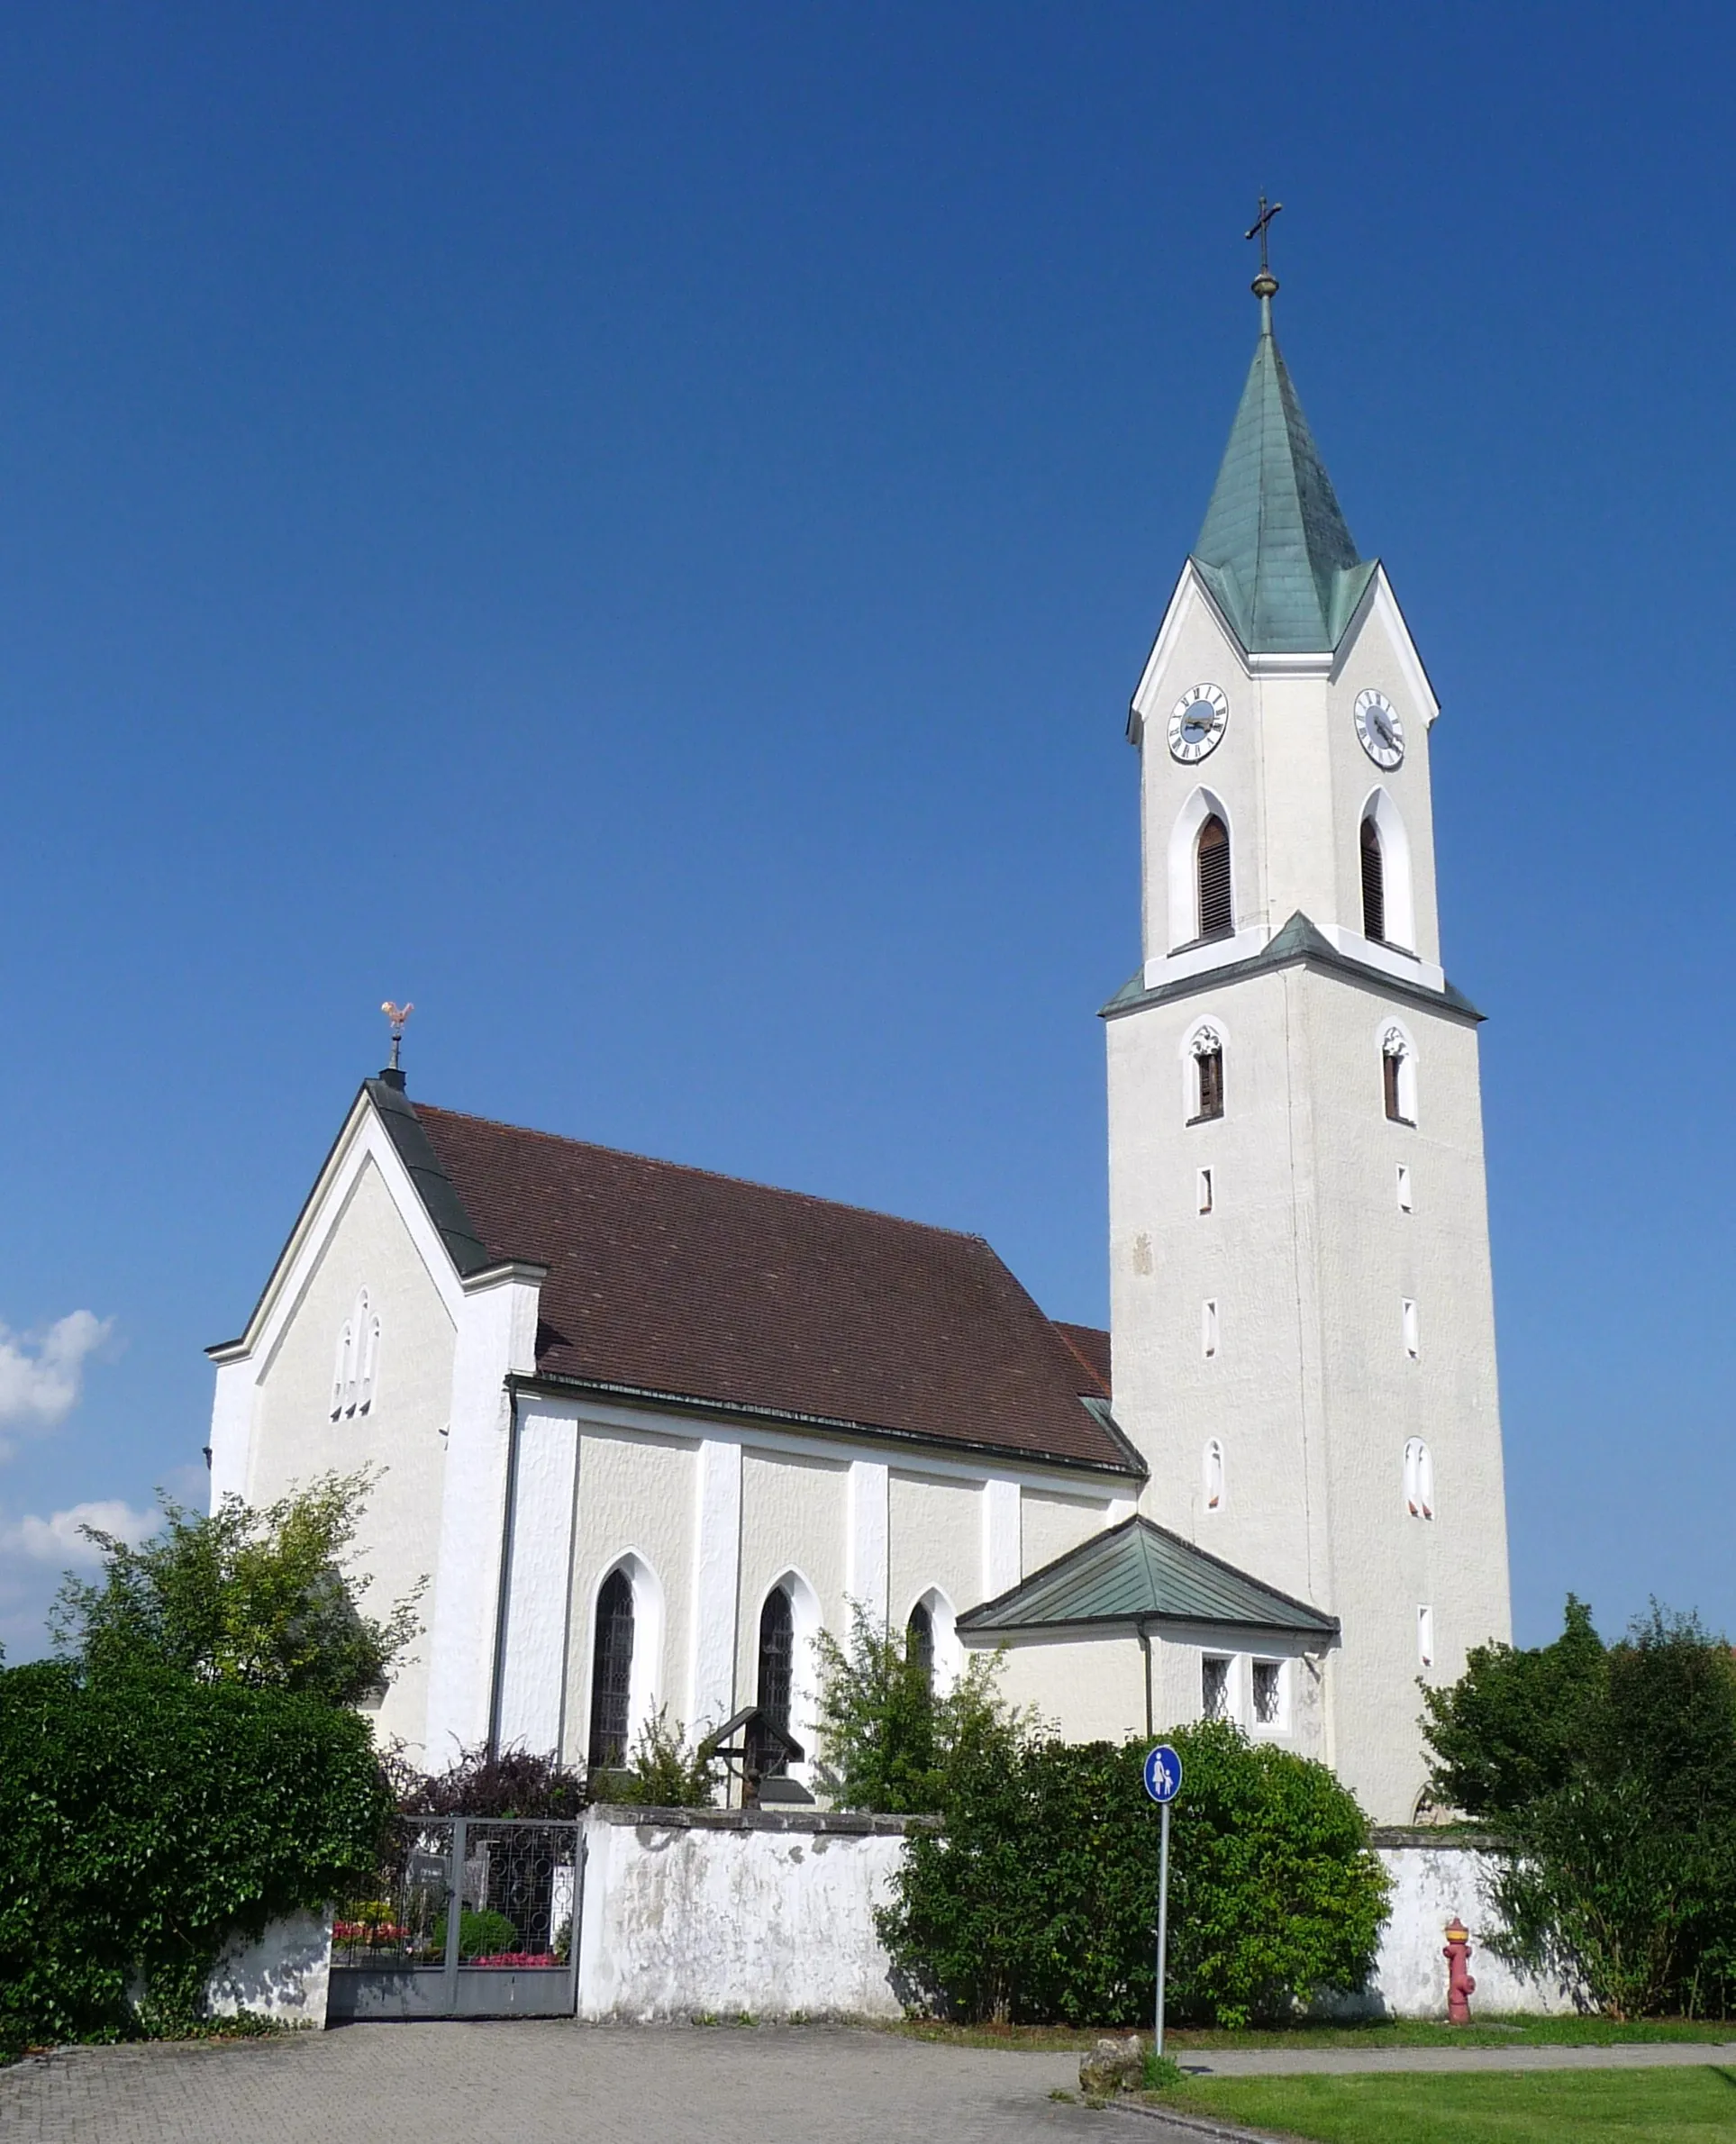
pixel 1298 941
pixel 1138 1573
pixel 1276 551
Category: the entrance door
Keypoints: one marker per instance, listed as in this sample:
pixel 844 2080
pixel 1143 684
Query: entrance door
pixel 472 1917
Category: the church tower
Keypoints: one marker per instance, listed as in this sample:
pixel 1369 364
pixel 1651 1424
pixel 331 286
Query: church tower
pixel 1303 1319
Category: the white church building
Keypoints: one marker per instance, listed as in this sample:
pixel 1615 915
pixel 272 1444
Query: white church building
pixel 647 1430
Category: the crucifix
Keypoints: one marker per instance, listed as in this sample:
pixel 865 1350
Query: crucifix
pixel 1266 282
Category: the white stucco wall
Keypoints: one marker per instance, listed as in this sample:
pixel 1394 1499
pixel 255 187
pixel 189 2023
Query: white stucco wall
pixel 1087 1690
pixel 935 1541
pixel 690 1918
pixel 295 1436
pixel 1430 1884
pixel 284 1974
pixel 1052 1522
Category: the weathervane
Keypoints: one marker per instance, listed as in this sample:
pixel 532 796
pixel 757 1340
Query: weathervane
pixel 397 1015
pixel 1265 285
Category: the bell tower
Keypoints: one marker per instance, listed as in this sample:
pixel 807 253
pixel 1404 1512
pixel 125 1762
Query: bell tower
pixel 1300 1304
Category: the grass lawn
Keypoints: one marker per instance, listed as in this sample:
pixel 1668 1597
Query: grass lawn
pixel 1594 2106
pixel 1401 2032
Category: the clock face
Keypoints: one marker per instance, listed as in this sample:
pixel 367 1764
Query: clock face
pixel 1197 723
pixel 1380 728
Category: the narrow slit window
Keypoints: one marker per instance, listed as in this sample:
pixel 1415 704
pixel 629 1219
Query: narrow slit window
pixel 1214 1687
pixel 1206 1191
pixel 1425 1637
pixel 1419 1479
pixel 1216 914
pixel 1403 1189
pixel 1398 1076
pixel 1374 885
pixel 1268 1693
pixel 1207 1050
pixel 1209 1327
pixel 1213 1470
pixel 1407 1319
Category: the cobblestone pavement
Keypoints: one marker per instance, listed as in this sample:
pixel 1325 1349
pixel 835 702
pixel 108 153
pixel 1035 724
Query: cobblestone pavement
pixel 552 2083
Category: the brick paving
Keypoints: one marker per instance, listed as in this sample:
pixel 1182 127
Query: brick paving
pixel 552 2083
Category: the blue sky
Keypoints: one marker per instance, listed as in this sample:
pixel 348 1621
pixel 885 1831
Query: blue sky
pixel 636 528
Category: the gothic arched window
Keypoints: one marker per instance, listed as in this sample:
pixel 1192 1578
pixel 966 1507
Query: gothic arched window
pixel 1207 1050
pixel 776 1681
pixel 919 1641
pixel 1398 1075
pixel 1419 1479
pixel 1212 863
pixel 1374 884
pixel 612 1673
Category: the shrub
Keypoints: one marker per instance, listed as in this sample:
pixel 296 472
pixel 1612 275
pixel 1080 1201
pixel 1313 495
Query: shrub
pixel 888 1741
pixel 1037 1901
pixel 260 1597
pixel 1608 1776
pixel 479 1934
pixel 662 1773
pixel 145 1817
pixel 490 1783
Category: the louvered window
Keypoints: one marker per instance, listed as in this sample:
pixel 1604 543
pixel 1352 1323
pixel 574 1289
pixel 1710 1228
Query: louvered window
pixel 1217 918
pixel 1211 1084
pixel 776 1676
pixel 919 1642
pixel 1374 885
pixel 612 1672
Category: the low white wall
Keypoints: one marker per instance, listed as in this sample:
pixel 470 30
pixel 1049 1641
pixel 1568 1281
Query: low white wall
pixel 703 1912
pixel 285 1973
pixel 1433 1880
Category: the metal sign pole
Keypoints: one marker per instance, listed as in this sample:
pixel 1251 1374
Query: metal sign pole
pixel 1163 1922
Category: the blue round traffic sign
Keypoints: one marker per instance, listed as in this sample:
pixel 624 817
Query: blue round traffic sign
pixel 1162 1773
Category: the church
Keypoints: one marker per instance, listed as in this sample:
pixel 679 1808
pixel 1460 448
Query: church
pixel 646 1431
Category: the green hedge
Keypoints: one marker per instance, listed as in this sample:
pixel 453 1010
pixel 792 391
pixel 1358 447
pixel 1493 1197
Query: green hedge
pixel 1037 1901
pixel 145 1817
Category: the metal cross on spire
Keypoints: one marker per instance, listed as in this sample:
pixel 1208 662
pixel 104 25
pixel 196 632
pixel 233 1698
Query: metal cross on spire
pixel 397 1015
pixel 1266 283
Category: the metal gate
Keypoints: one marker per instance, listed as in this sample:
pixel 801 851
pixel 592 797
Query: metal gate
pixel 470 1917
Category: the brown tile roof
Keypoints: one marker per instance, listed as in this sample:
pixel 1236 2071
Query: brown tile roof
pixel 672 1280
pixel 1090 1343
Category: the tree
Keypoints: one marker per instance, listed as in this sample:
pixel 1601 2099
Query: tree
pixel 1608 1776
pixel 263 1597
pixel 887 1738
pixel 1035 1899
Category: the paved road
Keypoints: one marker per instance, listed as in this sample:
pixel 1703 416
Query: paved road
pixel 552 2083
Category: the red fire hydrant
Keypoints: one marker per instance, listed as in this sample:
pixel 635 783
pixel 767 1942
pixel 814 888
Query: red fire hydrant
pixel 1460 1987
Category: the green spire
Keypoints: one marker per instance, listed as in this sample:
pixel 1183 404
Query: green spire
pixel 1275 550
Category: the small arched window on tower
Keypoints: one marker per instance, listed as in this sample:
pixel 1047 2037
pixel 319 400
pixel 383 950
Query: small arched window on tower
pixel 1214 1474
pixel 1419 1479
pixel 612 1673
pixel 1374 885
pixel 1207 1050
pixel 919 1642
pixel 1398 1075
pixel 775 1683
pixel 1212 856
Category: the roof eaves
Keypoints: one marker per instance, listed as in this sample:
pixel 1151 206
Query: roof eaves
pixel 438 1196
pixel 557 1382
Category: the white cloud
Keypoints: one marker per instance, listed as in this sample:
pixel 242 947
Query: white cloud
pixel 41 1374
pixel 58 1539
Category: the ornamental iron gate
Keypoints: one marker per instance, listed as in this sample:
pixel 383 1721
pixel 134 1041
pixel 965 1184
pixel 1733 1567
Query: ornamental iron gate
pixel 470 1917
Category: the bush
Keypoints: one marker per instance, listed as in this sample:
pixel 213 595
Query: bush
pixel 662 1773
pixel 888 1741
pixel 1608 1776
pixel 144 1818
pixel 490 1783
pixel 1036 1903
pixel 480 1935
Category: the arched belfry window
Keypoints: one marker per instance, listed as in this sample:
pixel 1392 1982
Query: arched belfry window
pixel 1374 885
pixel 612 1673
pixel 1206 1050
pixel 1212 863
pixel 919 1641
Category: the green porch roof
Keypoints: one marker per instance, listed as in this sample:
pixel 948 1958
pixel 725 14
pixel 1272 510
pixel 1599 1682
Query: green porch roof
pixel 1139 1572
pixel 1276 551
